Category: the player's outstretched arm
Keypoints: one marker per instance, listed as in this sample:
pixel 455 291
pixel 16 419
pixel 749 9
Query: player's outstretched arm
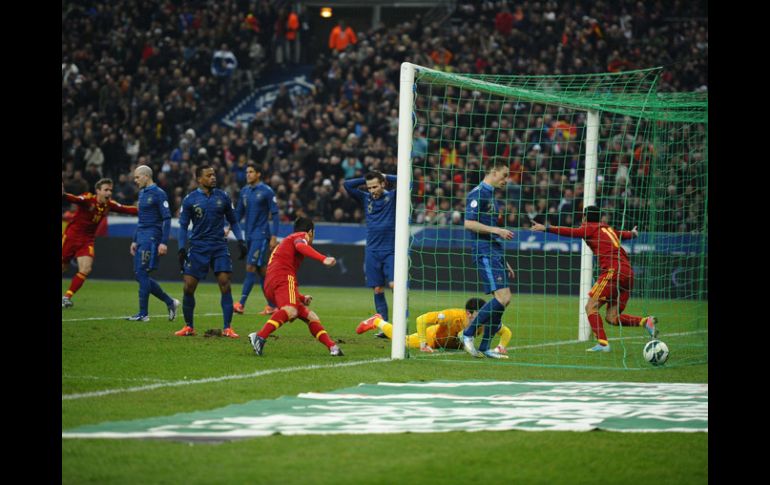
pixel 123 209
pixel 307 250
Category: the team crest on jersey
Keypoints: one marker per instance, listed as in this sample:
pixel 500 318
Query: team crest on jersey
pixel 387 198
pixel 219 202
pixel 259 196
pixel 149 200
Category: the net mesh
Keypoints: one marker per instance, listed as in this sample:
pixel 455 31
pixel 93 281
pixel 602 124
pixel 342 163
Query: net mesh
pixel 652 174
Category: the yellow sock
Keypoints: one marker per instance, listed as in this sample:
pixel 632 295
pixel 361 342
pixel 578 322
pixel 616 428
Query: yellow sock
pixel 386 327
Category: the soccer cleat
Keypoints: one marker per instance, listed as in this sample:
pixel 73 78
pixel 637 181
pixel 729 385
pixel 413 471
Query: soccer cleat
pixel 172 308
pixel 599 348
pixel 651 326
pixel 229 332
pixel 492 354
pixel 187 331
pixel 367 324
pixel 469 347
pixel 237 307
pixel 380 335
pixel 335 351
pixel 426 348
pixel 66 302
pixel 138 318
pixel 257 342
pixel 501 350
pixel 268 310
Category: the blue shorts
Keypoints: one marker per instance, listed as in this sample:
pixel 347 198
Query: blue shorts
pixel 199 258
pixel 146 256
pixel 493 273
pixel 258 251
pixel 378 266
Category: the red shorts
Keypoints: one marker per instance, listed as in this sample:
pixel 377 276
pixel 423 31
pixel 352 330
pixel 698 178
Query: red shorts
pixel 75 248
pixel 284 291
pixel 613 288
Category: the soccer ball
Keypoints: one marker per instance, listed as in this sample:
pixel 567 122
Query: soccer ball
pixel 655 352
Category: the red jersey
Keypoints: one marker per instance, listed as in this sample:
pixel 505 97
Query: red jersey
pixel 604 241
pixel 288 255
pixel 90 213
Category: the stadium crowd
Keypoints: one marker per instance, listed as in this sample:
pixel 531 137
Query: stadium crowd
pixel 140 77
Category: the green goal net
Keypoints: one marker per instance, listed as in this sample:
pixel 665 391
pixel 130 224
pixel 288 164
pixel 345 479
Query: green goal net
pixel 610 140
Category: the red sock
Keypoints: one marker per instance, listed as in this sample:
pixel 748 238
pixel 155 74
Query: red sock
pixel 598 327
pixel 630 320
pixel 276 320
pixel 77 282
pixel 317 331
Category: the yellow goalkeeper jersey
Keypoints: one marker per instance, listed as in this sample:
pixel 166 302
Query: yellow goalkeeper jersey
pixel 448 323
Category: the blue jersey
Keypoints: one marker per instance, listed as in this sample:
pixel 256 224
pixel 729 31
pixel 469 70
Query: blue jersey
pixel 481 206
pixel 208 214
pixel 154 215
pixel 256 203
pixel 380 214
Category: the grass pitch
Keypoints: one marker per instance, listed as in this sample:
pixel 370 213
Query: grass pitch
pixel 101 352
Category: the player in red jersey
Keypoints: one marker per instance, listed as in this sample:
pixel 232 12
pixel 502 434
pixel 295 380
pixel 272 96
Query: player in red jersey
pixel 78 239
pixel 281 287
pixel 616 279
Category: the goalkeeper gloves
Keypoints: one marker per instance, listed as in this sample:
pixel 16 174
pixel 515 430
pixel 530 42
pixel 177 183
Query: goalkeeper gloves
pixel 244 249
pixel 182 259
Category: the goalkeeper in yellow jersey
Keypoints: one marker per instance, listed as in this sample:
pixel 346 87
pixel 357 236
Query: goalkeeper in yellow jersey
pixel 438 329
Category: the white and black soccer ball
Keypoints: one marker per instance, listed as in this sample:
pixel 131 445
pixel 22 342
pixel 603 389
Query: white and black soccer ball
pixel 655 352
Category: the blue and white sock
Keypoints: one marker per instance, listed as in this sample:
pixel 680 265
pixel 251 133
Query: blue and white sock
pixel 381 304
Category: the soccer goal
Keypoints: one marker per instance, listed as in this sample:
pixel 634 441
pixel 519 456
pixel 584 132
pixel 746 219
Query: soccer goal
pixel 610 140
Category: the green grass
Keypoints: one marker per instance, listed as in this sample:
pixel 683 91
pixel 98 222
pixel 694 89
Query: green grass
pixel 110 353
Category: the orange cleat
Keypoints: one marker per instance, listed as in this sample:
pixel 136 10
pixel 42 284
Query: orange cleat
pixel 187 331
pixel 229 332
pixel 368 324
pixel 237 307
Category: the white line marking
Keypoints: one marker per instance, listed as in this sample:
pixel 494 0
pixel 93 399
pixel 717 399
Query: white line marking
pixel 145 379
pixel 206 380
pixel 123 317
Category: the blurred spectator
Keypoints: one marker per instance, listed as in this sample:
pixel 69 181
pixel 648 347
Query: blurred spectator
pixel 135 93
pixel 341 37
